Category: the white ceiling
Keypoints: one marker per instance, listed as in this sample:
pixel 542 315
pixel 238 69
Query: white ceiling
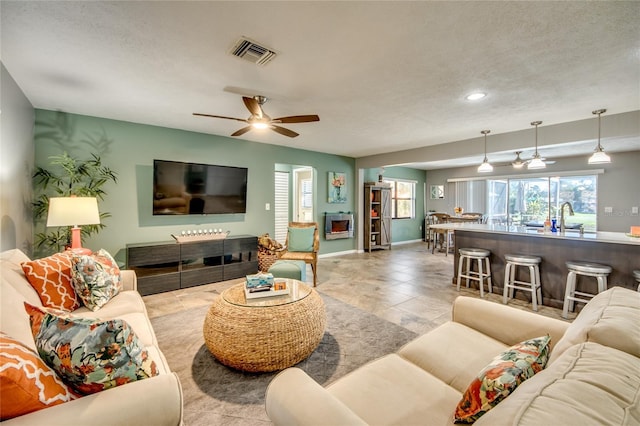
pixel 382 76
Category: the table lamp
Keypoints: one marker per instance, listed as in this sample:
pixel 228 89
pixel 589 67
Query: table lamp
pixel 73 211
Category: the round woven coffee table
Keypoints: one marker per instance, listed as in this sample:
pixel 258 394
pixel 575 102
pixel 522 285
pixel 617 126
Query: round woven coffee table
pixel 265 334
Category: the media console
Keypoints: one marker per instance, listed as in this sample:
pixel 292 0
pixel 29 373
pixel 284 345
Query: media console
pixel 168 265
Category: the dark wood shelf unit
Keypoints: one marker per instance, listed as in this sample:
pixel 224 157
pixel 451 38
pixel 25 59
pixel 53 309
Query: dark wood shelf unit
pixel 166 266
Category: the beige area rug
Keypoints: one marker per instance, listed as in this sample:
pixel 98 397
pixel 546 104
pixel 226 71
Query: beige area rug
pixel 216 394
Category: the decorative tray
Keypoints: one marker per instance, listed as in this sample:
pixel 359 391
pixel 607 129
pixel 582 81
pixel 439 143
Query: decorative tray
pixel 268 293
pixel 206 236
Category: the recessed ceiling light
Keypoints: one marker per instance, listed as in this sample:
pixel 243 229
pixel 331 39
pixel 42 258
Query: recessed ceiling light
pixel 476 96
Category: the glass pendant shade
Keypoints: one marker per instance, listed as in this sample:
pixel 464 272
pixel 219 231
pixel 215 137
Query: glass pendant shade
pixel 599 156
pixel 536 163
pixel 485 167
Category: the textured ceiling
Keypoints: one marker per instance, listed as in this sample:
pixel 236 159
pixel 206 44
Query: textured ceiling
pixel 382 76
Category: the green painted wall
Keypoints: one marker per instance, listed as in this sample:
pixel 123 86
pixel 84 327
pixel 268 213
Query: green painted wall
pixel 404 229
pixel 129 149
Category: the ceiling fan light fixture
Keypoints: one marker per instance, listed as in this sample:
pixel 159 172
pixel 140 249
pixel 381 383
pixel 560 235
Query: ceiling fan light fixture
pixel 518 163
pixel 599 156
pixel 259 125
pixel 485 167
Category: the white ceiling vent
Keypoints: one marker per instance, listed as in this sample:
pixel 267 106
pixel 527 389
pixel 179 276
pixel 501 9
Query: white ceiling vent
pixel 252 51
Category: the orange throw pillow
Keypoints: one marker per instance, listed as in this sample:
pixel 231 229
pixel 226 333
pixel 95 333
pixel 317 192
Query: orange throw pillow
pixel 51 278
pixel 27 384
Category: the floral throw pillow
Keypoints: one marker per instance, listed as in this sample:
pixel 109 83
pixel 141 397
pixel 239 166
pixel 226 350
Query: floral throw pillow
pixel 26 383
pixel 89 355
pixel 501 377
pixel 51 278
pixel 96 278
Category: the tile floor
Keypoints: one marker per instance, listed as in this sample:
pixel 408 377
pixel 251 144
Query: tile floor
pixel 406 285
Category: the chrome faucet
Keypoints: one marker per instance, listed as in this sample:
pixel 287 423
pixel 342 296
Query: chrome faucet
pixel 566 203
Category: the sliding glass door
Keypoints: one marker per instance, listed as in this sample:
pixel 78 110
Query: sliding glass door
pixel 530 201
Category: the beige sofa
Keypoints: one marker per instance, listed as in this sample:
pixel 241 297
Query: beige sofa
pixel 153 401
pixel 592 377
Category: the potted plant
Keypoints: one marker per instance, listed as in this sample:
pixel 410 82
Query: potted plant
pixel 67 176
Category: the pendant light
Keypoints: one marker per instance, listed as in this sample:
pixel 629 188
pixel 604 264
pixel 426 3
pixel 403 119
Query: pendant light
pixel 485 167
pixel 536 162
pixel 599 156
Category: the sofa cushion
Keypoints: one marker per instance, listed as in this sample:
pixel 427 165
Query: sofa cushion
pixel 26 383
pixel 606 320
pixel 13 276
pixel 393 391
pixel 89 355
pixel 13 319
pixel 51 278
pixel 501 377
pixel 434 350
pixel 588 384
pixel 96 278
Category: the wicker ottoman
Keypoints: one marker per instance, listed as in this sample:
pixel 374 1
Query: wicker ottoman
pixel 295 269
pixel 265 334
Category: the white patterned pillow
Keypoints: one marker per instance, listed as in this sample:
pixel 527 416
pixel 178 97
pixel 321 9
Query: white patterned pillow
pixel 96 278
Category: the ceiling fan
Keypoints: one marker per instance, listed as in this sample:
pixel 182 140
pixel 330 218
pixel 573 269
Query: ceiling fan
pixel 260 120
pixel 519 163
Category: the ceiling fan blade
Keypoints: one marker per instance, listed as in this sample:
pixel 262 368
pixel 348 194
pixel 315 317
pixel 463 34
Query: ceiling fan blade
pixel 221 116
pixel 297 119
pixel 241 131
pixel 253 106
pixel 283 131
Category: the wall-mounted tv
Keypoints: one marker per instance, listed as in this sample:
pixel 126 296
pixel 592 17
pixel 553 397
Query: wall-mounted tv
pixel 189 188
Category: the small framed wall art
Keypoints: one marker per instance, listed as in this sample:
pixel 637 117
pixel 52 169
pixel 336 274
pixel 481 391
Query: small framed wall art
pixel 437 192
pixel 337 189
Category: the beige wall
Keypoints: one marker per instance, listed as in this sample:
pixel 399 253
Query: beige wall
pixel 16 166
pixel 617 186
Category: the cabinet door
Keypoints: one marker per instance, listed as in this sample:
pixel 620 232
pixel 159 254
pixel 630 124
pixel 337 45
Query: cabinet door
pixel 385 217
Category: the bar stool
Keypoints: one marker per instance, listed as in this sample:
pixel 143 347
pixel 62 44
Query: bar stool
pixel 636 275
pixel 589 269
pixel 479 255
pixel 511 284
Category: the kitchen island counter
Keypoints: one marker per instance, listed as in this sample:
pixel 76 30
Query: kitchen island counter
pixel 616 249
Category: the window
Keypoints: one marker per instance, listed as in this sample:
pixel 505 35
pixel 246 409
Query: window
pixel 403 198
pixel 530 201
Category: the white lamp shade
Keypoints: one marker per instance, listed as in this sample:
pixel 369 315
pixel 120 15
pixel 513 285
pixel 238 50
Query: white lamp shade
pixel 599 157
pixel 485 167
pixel 536 163
pixel 73 211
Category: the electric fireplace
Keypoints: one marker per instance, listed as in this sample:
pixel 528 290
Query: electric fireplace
pixel 338 225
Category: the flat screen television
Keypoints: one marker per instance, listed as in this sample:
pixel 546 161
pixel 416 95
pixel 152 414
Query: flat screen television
pixel 189 188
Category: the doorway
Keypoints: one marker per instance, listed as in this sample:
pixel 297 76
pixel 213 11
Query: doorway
pixel 294 197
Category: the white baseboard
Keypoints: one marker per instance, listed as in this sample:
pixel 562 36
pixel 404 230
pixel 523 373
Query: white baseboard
pixel 407 242
pixel 337 253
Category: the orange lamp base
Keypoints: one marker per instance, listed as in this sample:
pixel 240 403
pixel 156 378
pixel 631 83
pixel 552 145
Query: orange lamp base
pixel 76 243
